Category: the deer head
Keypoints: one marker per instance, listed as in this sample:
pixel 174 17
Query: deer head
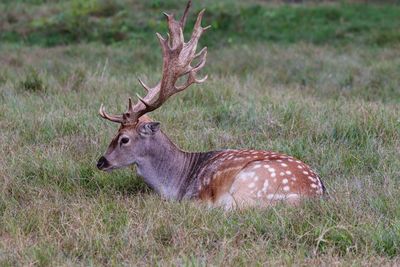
pixel 138 136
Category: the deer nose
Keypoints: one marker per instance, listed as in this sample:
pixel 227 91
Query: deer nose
pixel 102 163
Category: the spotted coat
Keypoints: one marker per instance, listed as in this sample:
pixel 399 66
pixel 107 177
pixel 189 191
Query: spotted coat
pixel 238 178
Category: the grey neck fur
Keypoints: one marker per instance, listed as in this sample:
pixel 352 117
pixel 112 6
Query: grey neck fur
pixel 171 172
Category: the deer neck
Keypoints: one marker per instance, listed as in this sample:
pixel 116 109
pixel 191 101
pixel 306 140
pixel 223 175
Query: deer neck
pixel 171 172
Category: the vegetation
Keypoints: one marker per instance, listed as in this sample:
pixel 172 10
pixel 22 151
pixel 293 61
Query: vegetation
pixel 317 81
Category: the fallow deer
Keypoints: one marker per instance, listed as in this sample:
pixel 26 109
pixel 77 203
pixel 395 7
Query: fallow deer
pixel 228 178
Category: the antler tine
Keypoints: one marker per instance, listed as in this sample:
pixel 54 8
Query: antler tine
pixel 203 58
pixel 144 85
pixel 164 43
pixel 184 17
pixel 148 106
pixel 105 115
pixel 130 107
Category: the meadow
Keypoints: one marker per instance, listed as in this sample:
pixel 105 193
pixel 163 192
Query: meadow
pixel 319 81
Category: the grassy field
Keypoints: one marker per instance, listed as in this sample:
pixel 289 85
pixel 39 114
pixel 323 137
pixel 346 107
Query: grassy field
pixel 317 81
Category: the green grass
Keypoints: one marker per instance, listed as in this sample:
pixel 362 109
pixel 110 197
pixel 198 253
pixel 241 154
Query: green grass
pixel 106 21
pixel 329 95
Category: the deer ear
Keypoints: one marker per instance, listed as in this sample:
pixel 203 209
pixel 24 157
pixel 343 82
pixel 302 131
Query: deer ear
pixel 149 128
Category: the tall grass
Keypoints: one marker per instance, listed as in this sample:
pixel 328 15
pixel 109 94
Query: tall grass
pixel 334 105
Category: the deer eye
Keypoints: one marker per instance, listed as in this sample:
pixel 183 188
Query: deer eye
pixel 124 140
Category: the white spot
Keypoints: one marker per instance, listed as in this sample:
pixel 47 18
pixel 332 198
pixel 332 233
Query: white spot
pixel 259 194
pixel 246 175
pixel 265 186
pixel 279 160
pixel 257 166
pixel 293 178
pixel 267 166
pixel 273 174
pixel 252 185
pixel 306 173
pixel 312 179
pixel 314 185
pixel 282 173
pixel 288 172
pixel 256 178
pixel 285 181
pixel 271 169
pixel 286 188
pixel 283 165
pixel 298 161
pixel 289 159
pixel 299 166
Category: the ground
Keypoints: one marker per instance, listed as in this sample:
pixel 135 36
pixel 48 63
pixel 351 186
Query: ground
pixel 318 81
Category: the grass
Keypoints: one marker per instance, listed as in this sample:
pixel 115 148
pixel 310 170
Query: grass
pixel 106 21
pixel 330 100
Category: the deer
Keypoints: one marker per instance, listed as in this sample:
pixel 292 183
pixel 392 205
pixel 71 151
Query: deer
pixel 226 178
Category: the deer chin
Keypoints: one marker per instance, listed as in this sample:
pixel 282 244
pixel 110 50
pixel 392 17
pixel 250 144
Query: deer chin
pixel 109 168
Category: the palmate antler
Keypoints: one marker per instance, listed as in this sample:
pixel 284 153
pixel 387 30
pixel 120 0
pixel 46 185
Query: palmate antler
pixel 177 57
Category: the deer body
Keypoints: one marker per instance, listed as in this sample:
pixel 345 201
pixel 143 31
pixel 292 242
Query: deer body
pixel 226 178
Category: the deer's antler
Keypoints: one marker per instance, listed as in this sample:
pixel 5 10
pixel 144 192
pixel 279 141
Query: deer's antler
pixel 177 59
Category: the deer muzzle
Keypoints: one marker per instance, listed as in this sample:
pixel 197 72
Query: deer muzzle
pixel 102 163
